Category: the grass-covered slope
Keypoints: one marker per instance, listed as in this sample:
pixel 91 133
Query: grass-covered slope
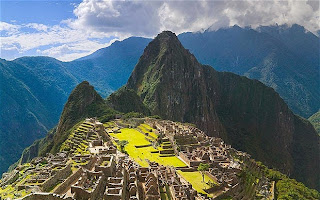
pixel 315 121
pixel 249 115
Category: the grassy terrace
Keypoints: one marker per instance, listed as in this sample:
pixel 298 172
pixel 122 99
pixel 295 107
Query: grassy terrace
pixel 195 179
pixel 109 124
pixel 146 128
pixel 140 155
pixel 10 190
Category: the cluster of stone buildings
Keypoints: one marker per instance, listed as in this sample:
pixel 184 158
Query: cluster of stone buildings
pixel 194 147
pixel 100 171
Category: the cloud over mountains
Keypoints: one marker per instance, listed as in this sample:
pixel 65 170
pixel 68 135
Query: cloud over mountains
pixel 97 23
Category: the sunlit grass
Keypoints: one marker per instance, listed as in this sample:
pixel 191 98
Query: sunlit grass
pixel 146 128
pixel 140 155
pixel 195 179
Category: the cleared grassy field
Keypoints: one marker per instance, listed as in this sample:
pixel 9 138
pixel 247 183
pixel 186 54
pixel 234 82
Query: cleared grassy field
pixel 140 155
pixel 195 179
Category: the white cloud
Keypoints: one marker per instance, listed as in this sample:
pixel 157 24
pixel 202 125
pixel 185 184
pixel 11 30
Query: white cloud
pixel 100 19
pixel 73 50
pixel 8 27
pixel 147 18
pixel 61 42
pixel 38 27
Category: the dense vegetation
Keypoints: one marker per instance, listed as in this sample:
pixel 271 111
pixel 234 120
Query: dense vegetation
pixel 126 100
pixel 315 121
pixel 32 94
pixel 287 188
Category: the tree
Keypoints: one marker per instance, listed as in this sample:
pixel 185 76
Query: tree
pixel 202 168
pixel 122 144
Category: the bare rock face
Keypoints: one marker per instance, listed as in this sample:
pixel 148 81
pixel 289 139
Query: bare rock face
pixel 249 115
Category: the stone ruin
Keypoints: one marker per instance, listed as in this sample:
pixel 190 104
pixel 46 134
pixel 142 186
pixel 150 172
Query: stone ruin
pixel 105 173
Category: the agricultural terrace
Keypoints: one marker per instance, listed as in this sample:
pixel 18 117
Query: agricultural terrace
pixel 140 154
pixel 195 179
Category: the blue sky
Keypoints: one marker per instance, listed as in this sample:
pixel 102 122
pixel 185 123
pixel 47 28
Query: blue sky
pixel 67 30
pixel 43 12
pixel 36 20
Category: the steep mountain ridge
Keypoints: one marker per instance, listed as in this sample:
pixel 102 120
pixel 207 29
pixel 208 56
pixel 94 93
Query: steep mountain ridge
pixel 83 102
pixel 244 112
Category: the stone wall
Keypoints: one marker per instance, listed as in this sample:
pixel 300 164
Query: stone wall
pixel 45 196
pixel 230 193
pixel 63 187
pixel 61 174
pixel 184 157
pixel 80 193
pixel 91 163
pixel 98 191
pixel 13 177
pixel 211 176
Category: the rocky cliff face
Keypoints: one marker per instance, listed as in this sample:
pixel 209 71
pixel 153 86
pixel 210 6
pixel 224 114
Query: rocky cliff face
pixel 249 115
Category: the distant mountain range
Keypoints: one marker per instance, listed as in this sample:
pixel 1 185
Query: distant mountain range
pixel 34 89
pixel 284 58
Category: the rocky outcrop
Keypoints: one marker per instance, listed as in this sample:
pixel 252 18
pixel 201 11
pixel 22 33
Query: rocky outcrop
pixel 249 115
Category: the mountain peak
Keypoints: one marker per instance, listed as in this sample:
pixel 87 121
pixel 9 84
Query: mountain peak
pixel 82 97
pixel 165 41
pixel 166 35
pixel 163 58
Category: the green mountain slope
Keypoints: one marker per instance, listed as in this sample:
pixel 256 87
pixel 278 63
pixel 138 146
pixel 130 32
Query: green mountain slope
pixel 244 112
pixel 125 100
pixel 109 68
pixel 31 103
pixel 83 102
pixel 315 121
